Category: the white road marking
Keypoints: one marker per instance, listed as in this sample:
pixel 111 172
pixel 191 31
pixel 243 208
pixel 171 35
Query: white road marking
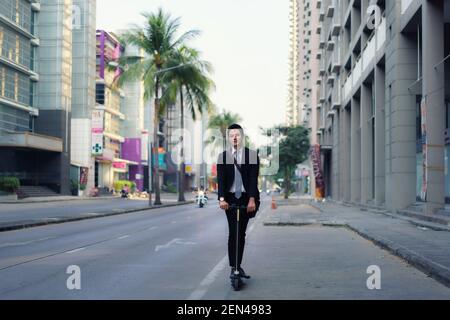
pixel 172 242
pixel 13 244
pixel 123 237
pixel 76 250
pixel 208 280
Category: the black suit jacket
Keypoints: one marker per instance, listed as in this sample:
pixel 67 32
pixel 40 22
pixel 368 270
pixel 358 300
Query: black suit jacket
pixel 250 174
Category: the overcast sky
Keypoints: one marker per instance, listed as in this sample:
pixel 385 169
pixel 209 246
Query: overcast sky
pixel 247 41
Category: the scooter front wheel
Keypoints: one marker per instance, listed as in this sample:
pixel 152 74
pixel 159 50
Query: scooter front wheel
pixel 236 284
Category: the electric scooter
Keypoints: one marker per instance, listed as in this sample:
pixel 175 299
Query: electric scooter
pixel 236 279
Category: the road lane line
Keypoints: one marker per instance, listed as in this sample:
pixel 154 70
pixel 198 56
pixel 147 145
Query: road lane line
pixel 14 244
pixel 76 250
pixel 123 237
pixel 198 293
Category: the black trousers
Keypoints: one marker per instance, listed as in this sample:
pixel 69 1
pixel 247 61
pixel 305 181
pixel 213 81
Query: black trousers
pixel 243 222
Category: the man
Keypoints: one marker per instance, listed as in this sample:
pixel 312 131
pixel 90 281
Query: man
pixel 237 177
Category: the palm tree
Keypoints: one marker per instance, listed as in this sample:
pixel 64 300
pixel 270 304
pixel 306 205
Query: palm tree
pixel 221 122
pixel 158 41
pixel 192 84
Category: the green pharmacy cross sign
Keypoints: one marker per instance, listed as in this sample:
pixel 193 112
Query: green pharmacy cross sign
pixel 97 149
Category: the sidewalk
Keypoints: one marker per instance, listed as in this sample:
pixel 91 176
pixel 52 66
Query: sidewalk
pixel 55 199
pixel 166 196
pixel 19 215
pixel 423 245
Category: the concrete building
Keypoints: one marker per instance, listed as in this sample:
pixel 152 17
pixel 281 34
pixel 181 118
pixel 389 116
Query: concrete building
pixel 304 74
pixel 136 126
pixel 35 91
pixel 384 102
pixel 107 119
pixel 292 111
pixel 83 90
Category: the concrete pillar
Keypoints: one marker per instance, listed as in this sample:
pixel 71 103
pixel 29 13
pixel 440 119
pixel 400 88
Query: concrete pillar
pixel 379 135
pixel 366 144
pixel 434 93
pixel 346 155
pixel 401 90
pixel 335 158
pixel 355 154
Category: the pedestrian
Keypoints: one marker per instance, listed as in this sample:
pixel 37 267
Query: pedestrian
pixel 237 177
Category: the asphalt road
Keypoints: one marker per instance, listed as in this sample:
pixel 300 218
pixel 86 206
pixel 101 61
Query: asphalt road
pixel 180 253
pixel 44 210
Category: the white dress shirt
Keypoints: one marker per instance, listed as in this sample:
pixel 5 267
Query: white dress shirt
pixel 239 159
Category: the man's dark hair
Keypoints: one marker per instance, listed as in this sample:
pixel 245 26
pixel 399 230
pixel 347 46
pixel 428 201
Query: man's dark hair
pixel 235 126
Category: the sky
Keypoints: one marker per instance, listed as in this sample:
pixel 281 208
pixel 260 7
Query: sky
pixel 247 42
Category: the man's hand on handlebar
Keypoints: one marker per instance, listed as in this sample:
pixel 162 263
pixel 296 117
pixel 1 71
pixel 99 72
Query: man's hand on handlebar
pixel 224 205
pixel 251 205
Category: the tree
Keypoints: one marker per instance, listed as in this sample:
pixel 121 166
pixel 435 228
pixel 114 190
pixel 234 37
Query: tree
pixel 293 150
pixel 192 84
pixel 157 39
pixel 221 122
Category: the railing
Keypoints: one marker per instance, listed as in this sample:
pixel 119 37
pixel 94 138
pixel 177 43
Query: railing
pixel 363 62
pixel 336 97
pixel 357 71
pixel 369 52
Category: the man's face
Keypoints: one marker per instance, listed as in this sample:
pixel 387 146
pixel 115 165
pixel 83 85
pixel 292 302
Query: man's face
pixel 235 137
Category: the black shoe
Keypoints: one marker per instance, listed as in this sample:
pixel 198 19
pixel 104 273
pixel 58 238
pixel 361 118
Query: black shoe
pixel 243 274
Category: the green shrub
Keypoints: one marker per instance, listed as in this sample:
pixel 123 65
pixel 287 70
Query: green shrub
pixel 118 185
pixel 171 188
pixel 9 184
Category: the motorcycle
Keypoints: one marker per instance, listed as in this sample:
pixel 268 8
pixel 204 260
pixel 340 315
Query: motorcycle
pixel 201 199
pixel 124 193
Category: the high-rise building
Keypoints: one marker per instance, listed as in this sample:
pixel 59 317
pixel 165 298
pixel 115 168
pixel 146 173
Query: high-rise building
pixel 304 78
pixel 107 132
pixel 136 126
pixel 35 91
pixel 292 111
pixel 83 90
pixel 384 103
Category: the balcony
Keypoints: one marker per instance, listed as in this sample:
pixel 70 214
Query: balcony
pixel 331 9
pixel 336 25
pixel 319 55
pixel 322 15
pixel 336 96
pixel 336 61
pixel 331 78
pixel 322 93
pixel 331 44
pixel 322 68
pixel 331 114
pixel 322 40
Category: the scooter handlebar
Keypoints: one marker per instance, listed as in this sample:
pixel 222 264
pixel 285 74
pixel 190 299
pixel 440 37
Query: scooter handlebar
pixel 235 206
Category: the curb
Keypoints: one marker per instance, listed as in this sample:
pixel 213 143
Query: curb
pixel 31 224
pixel 57 200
